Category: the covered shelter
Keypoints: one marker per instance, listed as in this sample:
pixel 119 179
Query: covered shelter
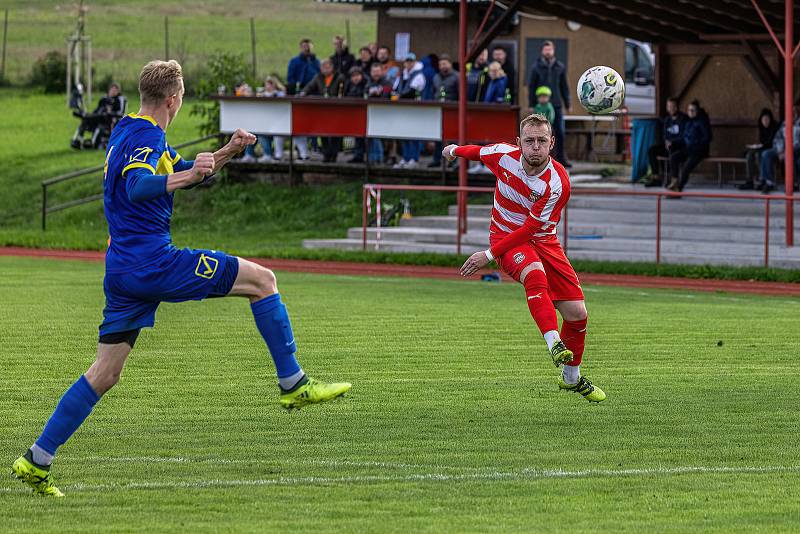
pixel 735 56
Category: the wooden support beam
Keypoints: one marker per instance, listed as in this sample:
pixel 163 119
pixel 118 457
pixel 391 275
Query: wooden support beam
pixel 691 76
pixel 598 17
pixel 694 49
pixel 482 41
pixel 758 76
pixel 755 55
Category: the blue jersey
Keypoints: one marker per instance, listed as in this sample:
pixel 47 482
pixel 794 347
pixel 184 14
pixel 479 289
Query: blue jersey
pixel 139 231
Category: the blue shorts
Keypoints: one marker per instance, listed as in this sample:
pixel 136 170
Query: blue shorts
pixel 183 274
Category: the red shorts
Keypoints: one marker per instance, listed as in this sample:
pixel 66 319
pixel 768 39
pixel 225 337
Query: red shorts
pixel 561 277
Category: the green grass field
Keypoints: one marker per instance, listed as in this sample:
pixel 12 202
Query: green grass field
pixel 454 422
pixel 127 34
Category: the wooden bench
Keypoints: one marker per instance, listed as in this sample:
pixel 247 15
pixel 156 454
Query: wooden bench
pixel 720 161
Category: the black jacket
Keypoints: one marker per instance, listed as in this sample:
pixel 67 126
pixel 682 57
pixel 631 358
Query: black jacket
pixel 673 128
pixel 342 62
pixel 552 75
pixel 317 86
pixel 355 90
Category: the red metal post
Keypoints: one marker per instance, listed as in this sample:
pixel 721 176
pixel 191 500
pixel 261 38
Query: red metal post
pixel 658 229
pixel 566 227
pixel 788 91
pixel 769 28
pixel 766 233
pixel 364 194
pixel 462 119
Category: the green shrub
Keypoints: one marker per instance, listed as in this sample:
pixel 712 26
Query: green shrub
pixel 50 72
pixel 222 69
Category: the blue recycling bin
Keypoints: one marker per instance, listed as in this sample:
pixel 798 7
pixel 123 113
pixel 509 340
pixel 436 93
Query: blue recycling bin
pixel 644 134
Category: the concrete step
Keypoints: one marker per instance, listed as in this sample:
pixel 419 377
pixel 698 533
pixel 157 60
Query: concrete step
pixel 479 235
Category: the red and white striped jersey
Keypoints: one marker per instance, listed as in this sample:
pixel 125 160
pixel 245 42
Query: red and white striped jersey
pixel 517 195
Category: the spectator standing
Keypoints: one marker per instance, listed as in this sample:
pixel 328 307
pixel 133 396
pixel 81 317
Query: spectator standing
pixel 498 89
pixel 329 84
pixel 550 72
pixel 302 68
pixel 767 128
pixel 478 77
pixel 390 67
pixel 673 125
pixel 365 61
pixel 445 89
pixel 272 88
pixel 691 149
pixel 377 87
pixel 342 59
pixel 500 55
pixel 410 84
pixel 778 153
pixel 543 105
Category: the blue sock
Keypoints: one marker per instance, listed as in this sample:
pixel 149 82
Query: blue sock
pixel 74 407
pixel 273 323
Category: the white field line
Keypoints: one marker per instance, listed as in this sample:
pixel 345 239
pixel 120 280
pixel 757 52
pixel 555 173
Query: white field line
pixel 490 476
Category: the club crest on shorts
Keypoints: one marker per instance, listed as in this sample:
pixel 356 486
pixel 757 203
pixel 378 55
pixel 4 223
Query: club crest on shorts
pixel 206 266
pixel 519 257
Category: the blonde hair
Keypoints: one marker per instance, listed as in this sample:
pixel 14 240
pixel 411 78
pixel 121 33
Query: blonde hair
pixel 500 71
pixel 536 118
pixel 275 81
pixel 158 80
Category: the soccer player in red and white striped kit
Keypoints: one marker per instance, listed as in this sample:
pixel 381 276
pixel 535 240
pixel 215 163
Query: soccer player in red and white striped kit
pixel 532 189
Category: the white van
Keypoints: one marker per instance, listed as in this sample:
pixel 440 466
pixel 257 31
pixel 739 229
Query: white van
pixel 640 88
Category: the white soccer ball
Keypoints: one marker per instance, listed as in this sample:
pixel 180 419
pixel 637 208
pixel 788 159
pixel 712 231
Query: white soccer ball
pixel 601 90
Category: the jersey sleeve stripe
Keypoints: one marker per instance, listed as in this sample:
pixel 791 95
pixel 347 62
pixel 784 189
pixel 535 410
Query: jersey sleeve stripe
pixel 138 165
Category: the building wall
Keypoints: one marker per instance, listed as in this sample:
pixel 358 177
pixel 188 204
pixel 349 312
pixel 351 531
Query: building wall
pixel 587 47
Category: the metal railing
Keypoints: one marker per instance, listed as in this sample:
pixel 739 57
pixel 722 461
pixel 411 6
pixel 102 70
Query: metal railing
pixel 91 198
pixel 659 195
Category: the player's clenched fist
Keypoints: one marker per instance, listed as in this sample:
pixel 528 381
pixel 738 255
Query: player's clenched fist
pixel 241 139
pixel 203 165
pixel 448 152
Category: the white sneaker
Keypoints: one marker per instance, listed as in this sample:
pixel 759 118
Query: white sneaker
pixel 411 164
pixel 265 159
pixel 247 158
pixel 400 164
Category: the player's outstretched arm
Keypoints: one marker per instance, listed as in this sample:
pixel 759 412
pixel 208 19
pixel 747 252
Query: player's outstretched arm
pixel 470 152
pixel 239 140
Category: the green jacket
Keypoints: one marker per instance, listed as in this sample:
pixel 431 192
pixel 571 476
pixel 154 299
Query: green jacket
pixel 547 110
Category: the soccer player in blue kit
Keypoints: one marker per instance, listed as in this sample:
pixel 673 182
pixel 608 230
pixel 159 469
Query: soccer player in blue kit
pixel 144 268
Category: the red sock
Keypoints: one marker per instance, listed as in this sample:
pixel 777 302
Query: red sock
pixel 573 334
pixel 539 303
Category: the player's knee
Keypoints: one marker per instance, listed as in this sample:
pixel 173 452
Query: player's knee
pixel 266 282
pixel 576 312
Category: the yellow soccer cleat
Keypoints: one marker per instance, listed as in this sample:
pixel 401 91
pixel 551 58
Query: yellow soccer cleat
pixel 560 354
pixel 40 480
pixel 589 391
pixel 313 392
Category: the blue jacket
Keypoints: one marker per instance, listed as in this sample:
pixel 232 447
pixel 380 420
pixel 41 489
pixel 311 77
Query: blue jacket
pixel 673 128
pixel 697 132
pixel 302 70
pixel 496 91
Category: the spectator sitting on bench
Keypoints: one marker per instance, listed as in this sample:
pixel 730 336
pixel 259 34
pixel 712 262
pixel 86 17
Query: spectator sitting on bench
pixel 778 153
pixel 674 124
pixel 767 127
pixel 691 149
pixel 110 109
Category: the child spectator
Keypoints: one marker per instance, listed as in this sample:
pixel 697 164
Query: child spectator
pixel 498 84
pixel 272 88
pixel 543 105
